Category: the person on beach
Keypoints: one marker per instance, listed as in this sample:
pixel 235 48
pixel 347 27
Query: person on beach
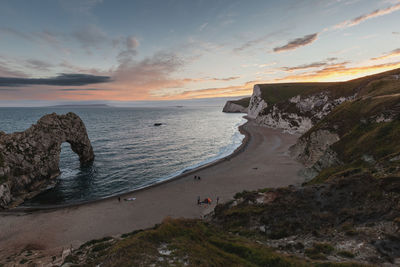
pixel 195 177
pixel 217 200
pixel 198 200
pixel 119 199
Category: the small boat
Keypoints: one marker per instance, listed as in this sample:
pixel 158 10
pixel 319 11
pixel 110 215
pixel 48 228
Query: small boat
pixel 157 124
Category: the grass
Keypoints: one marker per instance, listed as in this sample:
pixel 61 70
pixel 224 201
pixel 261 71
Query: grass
pixel 345 254
pixel 319 251
pixel 95 241
pixel 192 243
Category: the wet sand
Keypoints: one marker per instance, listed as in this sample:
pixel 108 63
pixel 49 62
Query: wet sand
pixel 262 161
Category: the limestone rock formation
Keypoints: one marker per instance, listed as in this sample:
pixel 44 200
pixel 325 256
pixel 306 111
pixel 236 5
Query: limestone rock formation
pixel 296 114
pixel 237 106
pixel 29 160
pixel 231 107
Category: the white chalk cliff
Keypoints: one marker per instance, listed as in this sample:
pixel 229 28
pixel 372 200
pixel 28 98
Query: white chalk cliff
pixel 296 115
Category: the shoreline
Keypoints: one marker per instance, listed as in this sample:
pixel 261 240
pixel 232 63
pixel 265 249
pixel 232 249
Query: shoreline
pixel 261 161
pixel 238 150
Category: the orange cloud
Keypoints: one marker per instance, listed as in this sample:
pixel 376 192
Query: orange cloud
pixel 238 90
pixel 339 72
pixel 362 18
pixel 391 54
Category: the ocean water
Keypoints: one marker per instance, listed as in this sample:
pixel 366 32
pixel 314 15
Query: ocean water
pixel 131 152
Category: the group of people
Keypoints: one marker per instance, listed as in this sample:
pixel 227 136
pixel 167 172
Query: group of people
pixel 205 201
pixel 197 177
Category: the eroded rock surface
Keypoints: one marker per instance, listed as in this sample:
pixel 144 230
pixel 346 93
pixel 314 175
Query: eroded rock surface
pixel 231 107
pixel 29 160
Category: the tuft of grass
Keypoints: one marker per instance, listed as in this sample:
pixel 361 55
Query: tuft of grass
pixel 95 241
pixel 345 254
pixel 319 251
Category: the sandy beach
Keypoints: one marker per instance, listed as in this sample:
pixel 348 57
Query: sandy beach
pixel 263 161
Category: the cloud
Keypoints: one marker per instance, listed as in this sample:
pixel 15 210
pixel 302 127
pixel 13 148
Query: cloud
pixel 60 80
pixel 250 44
pixel 310 65
pixel 129 50
pixel 82 89
pixel 203 26
pixel 339 72
pixel 38 64
pixel 14 32
pixel 374 14
pixel 90 36
pixel 225 79
pixel 80 6
pixel 6 71
pixel 139 78
pixel 243 89
pixel 391 54
pixel 296 43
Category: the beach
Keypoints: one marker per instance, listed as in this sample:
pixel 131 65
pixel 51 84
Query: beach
pixel 262 161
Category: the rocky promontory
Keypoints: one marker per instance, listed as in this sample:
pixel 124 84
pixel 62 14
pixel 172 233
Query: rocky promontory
pixel 237 106
pixel 29 160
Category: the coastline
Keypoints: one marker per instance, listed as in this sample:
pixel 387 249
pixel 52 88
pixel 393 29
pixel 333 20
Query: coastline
pixel 239 149
pixel 261 161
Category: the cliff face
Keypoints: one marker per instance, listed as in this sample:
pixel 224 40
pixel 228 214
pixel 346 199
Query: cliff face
pixel 296 114
pixel 358 136
pixel 29 160
pixel 237 106
pixel 231 107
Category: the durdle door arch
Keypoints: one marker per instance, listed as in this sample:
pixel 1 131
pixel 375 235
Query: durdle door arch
pixel 29 160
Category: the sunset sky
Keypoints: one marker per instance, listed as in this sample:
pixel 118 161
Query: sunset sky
pixel 67 50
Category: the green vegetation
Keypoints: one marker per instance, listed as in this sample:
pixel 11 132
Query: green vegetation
pixel 179 242
pixel 23 261
pixel 244 102
pixel 319 251
pixel 95 241
pixel 3 179
pixel 345 254
pixel 276 93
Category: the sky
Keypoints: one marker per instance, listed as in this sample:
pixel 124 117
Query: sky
pixel 115 50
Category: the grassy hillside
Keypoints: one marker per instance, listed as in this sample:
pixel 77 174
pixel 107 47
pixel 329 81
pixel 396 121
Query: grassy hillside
pixel 369 130
pixel 183 242
pixel 279 92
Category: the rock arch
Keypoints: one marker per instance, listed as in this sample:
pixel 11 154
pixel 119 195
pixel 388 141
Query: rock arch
pixel 29 160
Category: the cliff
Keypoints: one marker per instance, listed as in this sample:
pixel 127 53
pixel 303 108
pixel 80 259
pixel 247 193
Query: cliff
pixel 360 135
pixel 29 160
pixel 237 106
pixel 296 107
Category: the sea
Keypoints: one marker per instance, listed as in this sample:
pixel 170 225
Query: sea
pixel 130 151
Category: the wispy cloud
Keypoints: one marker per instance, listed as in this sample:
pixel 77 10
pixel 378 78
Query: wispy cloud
pixel 374 14
pixel 60 80
pixel 81 89
pixel 339 71
pixel 391 54
pixel 203 26
pixel 38 64
pixel 296 43
pixel 131 43
pixel 90 36
pixel 243 89
pixel 310 65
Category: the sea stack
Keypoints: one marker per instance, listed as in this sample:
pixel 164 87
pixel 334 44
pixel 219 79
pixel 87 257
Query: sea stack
pixel 29 160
